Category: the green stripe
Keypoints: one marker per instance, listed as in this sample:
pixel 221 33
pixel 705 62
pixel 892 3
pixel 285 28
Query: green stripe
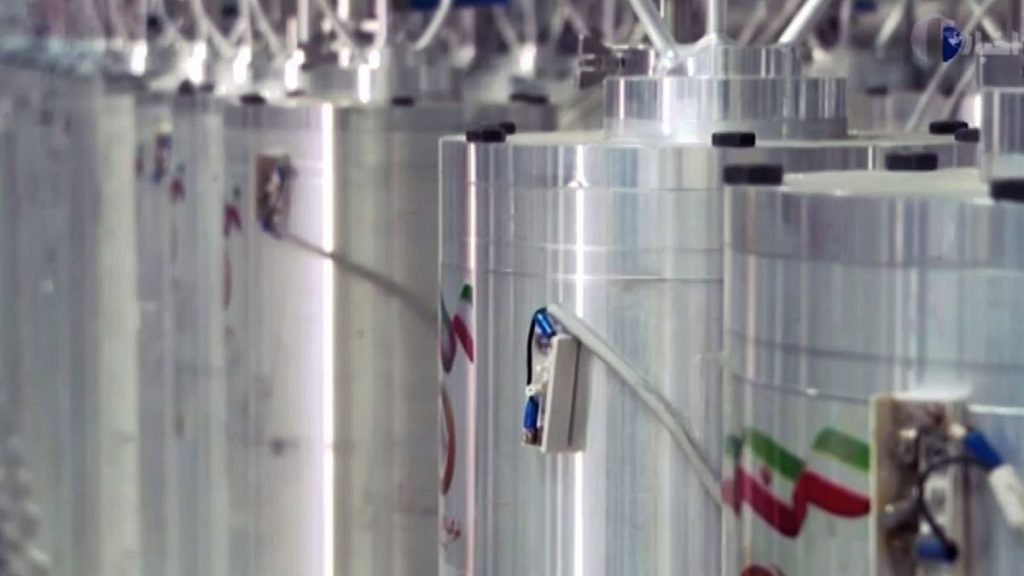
pixel 774 455
pixel 844 448
pixel 467 294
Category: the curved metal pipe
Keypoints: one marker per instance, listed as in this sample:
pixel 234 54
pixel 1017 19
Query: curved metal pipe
pixel 339 27
pixel 804 21
pixel 266 30
pixel 433 28
pixel 657 32
pixel 717 19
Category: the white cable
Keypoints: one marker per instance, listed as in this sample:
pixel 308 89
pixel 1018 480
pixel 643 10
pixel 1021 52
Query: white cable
pixel 382 17
pixel 116 19
pixel 433 28
pixel 933 86
pixel 576 20
pixel 171 28
pixel 530 28
pixel 266 30
pixel 650 396
pixel 506 29
pixel 339 27
pixel 207 29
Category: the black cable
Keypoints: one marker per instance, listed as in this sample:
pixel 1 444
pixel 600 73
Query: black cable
pixel 922 504
pixel 529 346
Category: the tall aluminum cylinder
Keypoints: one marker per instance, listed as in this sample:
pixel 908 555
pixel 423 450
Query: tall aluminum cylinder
pixel 625 232
pixel 97 139
pixel 77 375
pixel 198 464
pixel 156 352
pixel 330 217
pixel 839 286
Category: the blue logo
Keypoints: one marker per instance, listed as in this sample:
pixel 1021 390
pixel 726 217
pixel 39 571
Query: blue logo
pixel 952 42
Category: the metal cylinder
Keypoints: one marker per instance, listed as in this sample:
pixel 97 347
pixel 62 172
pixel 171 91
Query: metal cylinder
pixel 331 245
pixel 622 227
pixel 77 372
pixel 839 286
pixel 625 233
pixel 199 473
pixel 156 330
pixel 97 138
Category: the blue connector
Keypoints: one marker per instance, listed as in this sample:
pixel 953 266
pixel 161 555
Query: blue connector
pixel 544 324
pixel 933 549
pixel 531 421
pixel 981 449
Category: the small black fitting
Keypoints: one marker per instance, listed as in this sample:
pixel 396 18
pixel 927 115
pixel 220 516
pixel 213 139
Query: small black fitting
pixel 486 135
pixel 508 127
pixel 529 98
pixel 880 91
pixel 752 174
pixel 946 126
pixel 1007 190
pixel 733 139
pixel 253 99
pixel 403 101
pixel 186 88
pixel 911 161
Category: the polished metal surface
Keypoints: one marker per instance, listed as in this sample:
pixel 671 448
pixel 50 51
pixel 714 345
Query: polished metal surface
pixel 96 138
pixel 156 330
pixel 1001 152
pixel 378 75
pixel 841 285
pixel 331 352
pixel 77 369
pixel 627 235
pixel 727 87
pixel 198 480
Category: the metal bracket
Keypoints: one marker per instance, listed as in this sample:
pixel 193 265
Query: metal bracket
pixel 275 176
pixel 909 433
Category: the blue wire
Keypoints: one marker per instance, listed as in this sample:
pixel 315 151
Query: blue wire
pixel 981 449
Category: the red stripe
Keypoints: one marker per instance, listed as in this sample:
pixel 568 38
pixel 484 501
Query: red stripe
pixel 788 519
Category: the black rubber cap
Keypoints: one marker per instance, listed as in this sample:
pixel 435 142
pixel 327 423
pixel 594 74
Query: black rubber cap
pixel 508 127
pixel 911 161
pixel 733 139
pixel 492 135
pixel 403 101
pixel 877 91
pixel 529 98
pixel 153 25
pixel 946 126
pixel 253 99
pixel 1010 190
pixel 186 88
pixel 968 135
pixel 753 174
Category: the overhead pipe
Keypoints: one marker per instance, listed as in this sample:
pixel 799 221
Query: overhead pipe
pixel 717 20
pixel 806 18
pixel 657 32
